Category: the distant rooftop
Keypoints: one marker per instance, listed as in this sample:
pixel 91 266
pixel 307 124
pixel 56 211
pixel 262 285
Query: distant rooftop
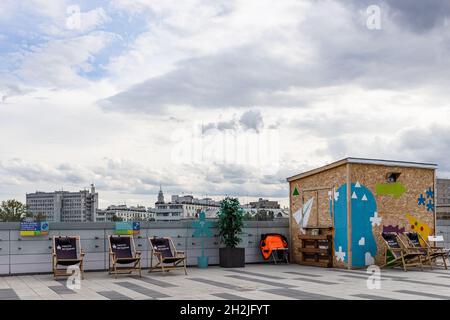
pixel 381 162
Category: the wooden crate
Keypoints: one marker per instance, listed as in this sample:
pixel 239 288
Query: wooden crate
pixel 316 250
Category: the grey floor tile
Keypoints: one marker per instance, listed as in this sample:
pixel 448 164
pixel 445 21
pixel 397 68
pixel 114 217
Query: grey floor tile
pixel 142 290
pixel 228 296
pixel 113 295
pixel 440 271
pixel 299 295
pixel 365 276
pixel 315 280
pixel 353 276
pixel 156 282
pixel 219 284
pixel 61 289
pixel 363 273
pixel 262 281
pixel 303 274
pixel 8 294
pixel 257 274
pixel 424 294
pixel 431 284
pixel 371 296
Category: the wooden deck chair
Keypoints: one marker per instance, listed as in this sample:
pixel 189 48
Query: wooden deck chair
pixel 167 256
pixel 66 252
pixel 432 253
pixel 123 257
pixel 403 255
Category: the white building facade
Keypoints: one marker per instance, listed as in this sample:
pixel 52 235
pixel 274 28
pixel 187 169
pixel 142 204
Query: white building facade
pixel 64 206
pixel 183 207
pixel 124 213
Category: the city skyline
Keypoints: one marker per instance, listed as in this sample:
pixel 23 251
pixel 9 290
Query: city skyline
pixel 83 206
pixel 150 199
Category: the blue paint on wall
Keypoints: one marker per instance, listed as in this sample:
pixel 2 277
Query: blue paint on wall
pixel 430 205
pixel 430 193
pixel 363 208
pixel 340 221
pixel 421 200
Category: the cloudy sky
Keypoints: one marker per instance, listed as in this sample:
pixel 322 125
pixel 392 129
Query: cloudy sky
pixel 215 97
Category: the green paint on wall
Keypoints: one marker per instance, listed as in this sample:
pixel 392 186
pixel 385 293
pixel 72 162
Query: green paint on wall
pixel 295 193
pixel 395 189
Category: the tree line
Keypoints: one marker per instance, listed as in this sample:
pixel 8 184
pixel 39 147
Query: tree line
pixel 14 211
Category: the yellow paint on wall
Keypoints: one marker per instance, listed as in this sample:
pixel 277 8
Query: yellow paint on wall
pixel 416 225
pixel 27 233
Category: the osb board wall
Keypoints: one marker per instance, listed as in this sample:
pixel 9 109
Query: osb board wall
pixel 393 211
pixel 320 212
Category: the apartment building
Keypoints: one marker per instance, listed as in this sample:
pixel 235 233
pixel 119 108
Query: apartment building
pixel 183 207
pixel 123 213
pixel 264 204
pixel 64 206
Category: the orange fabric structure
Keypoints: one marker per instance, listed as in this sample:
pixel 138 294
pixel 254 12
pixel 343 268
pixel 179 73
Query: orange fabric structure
pixel 270 242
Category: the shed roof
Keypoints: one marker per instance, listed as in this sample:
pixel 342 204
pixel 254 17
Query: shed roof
pixel 389 163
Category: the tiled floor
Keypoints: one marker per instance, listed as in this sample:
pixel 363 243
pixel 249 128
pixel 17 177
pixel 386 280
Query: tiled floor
pixel 252 282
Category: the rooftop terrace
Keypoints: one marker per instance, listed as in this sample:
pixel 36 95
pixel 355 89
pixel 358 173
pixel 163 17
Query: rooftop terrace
pixel 255 281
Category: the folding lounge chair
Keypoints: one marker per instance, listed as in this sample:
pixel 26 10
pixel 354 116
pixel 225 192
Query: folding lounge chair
pixel 67 252
pixel 431 253
pixel 122 251
pixel 403 255
pixel 167 256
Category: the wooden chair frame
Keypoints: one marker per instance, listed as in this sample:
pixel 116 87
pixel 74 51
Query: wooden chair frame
pixel 163 266
pixel 432 252
pixel 63 271
pixel 404 256
pixel 135 260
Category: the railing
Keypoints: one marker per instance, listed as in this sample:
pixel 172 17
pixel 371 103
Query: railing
pixel 33 254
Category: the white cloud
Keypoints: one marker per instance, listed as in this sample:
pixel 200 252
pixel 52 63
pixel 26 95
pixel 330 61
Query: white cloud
pixel 61 63
pixel 309 69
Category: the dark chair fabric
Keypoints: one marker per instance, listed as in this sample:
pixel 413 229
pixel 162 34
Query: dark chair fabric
pixel 391 239
pixel 121 246
pixel 66 250
pixel 162 245
pixel 414 238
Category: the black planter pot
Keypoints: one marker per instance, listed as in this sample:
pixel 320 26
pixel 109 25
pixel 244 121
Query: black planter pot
pixel 232 257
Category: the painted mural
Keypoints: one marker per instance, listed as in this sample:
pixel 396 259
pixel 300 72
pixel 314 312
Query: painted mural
pixel 395 189
pixel 302 215
pixel 428 200
pixel 364 217
pixel 416 225
pixel 390 228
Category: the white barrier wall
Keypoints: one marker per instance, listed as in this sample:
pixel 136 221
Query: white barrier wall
pixel 33 254
pixel 443 228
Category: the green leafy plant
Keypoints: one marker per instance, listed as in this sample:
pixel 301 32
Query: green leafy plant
pixel 230 222
pixel 12 210
pixel 116 218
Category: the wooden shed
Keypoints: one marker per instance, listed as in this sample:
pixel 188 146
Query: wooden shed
pixel 334 225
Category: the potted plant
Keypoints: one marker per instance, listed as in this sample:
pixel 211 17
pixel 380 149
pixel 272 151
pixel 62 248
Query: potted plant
pixel 230 226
